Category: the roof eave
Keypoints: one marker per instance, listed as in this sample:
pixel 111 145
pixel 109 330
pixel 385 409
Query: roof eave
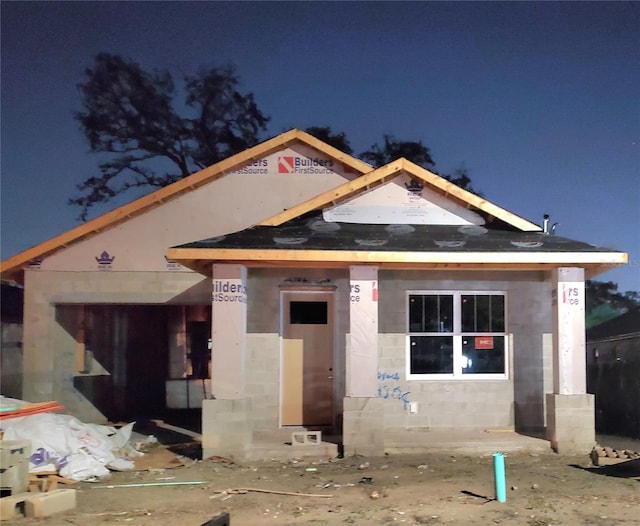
pixel 594 263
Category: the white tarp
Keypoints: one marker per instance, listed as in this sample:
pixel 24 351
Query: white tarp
pixel 62 443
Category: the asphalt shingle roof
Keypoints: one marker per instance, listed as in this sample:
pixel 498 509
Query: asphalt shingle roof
pixel 311 232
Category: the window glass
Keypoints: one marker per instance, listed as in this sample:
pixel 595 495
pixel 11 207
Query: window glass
pixel 308 312
pixel 497 313
pixel 446 313
pixel 430 313
pixel 416 313
pixel 482 354
pixel 482 313
pixel 431 354
pixel 468 307
pixel 475 343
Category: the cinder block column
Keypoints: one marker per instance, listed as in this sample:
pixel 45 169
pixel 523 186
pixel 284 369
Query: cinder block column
pixel 228 334
pixel 363 411
pixel 570 410
pixel 226 421
pixel 38 356
pixel 227 429
pixel 571 423
pixel 363 428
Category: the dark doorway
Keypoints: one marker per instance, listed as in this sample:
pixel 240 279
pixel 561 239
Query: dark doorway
pixel 130 342
pixel 199 333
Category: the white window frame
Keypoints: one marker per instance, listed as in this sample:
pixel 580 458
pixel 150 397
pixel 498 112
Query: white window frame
pixel 457 336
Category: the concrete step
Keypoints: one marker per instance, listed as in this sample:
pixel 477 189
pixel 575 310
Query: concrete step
pixel 287 443
pixel 283 451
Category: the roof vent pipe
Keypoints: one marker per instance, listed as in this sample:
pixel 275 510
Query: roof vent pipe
pixel 545 224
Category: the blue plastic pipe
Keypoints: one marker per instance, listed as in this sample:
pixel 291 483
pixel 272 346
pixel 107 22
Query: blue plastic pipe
pixel 501 481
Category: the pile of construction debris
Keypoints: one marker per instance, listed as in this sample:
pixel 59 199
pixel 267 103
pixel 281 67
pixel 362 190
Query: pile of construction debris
pixel 62 443
pixel 40 451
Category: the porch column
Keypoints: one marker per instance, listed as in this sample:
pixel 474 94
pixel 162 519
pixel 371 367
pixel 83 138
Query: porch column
pixel 363 410
pixel 228 332
pixel 226 419
pixel 570 410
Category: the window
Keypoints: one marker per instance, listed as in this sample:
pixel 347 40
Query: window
pixel 308 312
pixel 456 335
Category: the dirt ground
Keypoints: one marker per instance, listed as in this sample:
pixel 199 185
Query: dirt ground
pixel 542 489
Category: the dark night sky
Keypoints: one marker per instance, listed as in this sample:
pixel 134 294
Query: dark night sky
pixel 539 101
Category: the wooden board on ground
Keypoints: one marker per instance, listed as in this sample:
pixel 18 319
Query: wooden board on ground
pixel 157 458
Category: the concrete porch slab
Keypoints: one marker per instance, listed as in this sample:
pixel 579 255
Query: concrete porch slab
pixel 462 441
pixel 274 445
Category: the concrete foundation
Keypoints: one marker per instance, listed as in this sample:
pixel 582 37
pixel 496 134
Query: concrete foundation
pixel 571 423
pixel 363 426
pixel 227 429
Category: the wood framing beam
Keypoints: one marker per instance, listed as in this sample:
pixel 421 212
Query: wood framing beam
pixel 356 257
pixel 594 263
pixel 591 269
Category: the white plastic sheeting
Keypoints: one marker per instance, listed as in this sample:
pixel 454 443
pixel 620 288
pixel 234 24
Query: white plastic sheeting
pixel 62 443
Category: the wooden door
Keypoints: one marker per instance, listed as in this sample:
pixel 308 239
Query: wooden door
pixel 307 359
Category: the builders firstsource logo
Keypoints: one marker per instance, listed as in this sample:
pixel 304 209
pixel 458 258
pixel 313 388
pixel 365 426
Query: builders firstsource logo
pixel 261 166
pixel 293 164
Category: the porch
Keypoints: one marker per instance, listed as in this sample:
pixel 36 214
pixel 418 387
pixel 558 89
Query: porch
pixel 279 445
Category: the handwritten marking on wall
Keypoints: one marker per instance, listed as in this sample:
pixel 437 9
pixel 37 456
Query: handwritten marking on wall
pixel 390 389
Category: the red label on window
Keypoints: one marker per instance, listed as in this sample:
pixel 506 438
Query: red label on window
pixel 484 342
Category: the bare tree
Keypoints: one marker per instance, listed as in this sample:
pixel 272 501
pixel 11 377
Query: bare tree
pixel 130 115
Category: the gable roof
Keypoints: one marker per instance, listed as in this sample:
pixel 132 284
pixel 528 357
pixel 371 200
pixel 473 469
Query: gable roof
pixel 301 237
pixel 390 171
pixel 12 267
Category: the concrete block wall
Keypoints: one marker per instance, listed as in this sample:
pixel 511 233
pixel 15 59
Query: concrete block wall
pixel 529 321
pixel 49 349
pixel 11 359
pixel 64 364
pixel 263 358
pixel 467 403
pixel 263 379
pixel 393 389
pixel 547 352
pixel 262 364
pixel 440 404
